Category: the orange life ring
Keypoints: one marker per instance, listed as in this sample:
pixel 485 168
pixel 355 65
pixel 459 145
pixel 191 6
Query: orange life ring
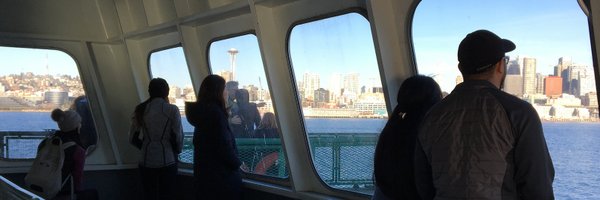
pixel 265 163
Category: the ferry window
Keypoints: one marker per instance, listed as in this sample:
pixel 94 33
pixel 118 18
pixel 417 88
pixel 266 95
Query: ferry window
pixel 252 117
pixel 33 82
pixel 551 68
pixel 342 99
pixel 170 65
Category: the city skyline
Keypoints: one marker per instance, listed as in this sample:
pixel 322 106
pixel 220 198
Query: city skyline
pixel 558 29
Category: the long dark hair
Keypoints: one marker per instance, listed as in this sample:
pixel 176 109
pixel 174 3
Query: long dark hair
pixel 398 138
pixel 417 94
pixel 211 91
pixel 158 88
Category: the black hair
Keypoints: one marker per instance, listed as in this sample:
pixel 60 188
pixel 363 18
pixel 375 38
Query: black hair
pixel 158 88
pixel 417 94
pixel 398 138
pixel 211 91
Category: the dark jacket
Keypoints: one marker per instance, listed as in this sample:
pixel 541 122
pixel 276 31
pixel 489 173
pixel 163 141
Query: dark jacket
pixel 216 162
pixel 482 143
pixel 266 133
pixel 248 113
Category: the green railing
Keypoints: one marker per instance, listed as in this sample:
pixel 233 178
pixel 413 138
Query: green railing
pixel 342 160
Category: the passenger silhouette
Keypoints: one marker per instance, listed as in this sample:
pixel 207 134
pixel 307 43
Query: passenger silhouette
pixel 267 157
pixel 247 113
pixel 216 162
pixel 480 142
pixel 267 127
pixel 87 133
pixel 159 124
pixel 394 153
pixel 69 123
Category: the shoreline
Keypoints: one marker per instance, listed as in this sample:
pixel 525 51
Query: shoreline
pixel 589 120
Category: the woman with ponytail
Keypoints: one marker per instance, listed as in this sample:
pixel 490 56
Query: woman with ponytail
pixel 158 125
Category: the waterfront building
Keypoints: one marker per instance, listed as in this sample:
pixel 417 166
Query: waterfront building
pixel 565 100
pixel 590 99
pixel 56 97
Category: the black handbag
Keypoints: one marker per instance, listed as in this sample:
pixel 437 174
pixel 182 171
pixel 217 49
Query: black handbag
pixel 138 139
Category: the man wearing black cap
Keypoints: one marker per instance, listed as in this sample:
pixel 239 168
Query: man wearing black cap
pixel 480 142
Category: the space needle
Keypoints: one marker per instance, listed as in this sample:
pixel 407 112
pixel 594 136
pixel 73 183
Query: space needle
pixel 232 53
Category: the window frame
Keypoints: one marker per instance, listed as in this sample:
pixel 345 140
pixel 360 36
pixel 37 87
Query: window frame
pixel 283 181
pixel 359 11
pixel 78 67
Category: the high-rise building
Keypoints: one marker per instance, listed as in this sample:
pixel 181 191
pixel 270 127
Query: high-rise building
pixel 335 86
pixel 311 82
pixel 539 83
pixel 513 84
pixel 553 86
pixel 321 96
pixel 372 83
pixel 563 64
pixel 574 73
pixel 253 92
pixel 529 76
pixel 513 68
pixel 587 82
pixel 227 75
pixel 352 83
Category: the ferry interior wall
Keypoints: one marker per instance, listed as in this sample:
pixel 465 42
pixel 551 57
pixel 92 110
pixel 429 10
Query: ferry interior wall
pixel 329 70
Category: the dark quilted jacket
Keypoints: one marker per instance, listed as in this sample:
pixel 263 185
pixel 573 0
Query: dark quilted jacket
pixel 482 143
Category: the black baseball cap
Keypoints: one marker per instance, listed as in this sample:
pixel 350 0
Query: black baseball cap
pixel 480 50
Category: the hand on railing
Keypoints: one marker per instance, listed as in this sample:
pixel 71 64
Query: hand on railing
pixel 244 167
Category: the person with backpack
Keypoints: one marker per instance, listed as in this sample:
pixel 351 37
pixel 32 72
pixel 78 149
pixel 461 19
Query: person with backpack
pixel 69 123
pixel 158 124
pixel 60 159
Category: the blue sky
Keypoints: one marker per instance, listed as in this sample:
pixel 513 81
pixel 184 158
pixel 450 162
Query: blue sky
pixel 17 60
pixel 544 29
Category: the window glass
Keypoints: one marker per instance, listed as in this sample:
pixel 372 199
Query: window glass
pixel 252 118
pixel 342 98
pixel 551 68
pixel 170 65
pixel 33 82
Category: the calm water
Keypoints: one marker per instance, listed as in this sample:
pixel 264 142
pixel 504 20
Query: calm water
pixel 574 147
